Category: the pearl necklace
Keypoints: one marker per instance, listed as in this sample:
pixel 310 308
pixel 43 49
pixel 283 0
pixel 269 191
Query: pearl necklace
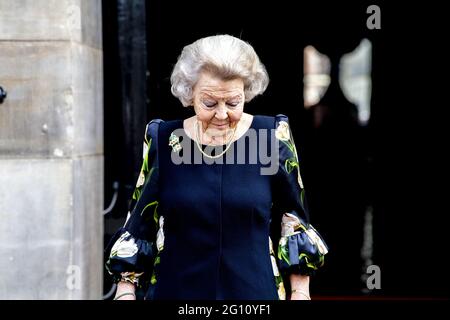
pixel 229 143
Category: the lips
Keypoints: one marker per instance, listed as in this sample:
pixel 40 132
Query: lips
pixel 224 125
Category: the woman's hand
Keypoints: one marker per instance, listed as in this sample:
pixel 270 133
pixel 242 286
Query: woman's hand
pixel 300 287
pixel 125 291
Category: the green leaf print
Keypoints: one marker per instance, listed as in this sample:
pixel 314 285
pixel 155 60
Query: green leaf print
pixel 145 164
pixel 283 254
pixel 136 194
pixel 149 205
pixel 290 164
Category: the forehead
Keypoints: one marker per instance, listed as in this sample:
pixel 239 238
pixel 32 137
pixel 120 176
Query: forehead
pixel 214 86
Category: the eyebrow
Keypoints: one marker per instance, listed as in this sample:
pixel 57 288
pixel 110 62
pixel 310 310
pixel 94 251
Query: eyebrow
pixel 235 97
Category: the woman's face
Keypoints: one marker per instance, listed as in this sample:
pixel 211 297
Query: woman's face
pixel 218 103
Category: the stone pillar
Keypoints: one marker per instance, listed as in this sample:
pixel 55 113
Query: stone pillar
pixel 51 149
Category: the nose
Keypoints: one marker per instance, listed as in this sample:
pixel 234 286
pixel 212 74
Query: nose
pixel 221 112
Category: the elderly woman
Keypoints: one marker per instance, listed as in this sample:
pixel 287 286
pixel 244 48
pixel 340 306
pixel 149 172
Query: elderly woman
pixel 204 230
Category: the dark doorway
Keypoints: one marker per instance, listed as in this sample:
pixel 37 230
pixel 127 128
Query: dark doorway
pixel 346 165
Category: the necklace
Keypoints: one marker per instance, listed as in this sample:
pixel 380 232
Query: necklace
pixel 228 144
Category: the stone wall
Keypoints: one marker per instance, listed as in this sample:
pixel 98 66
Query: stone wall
pixel 51 149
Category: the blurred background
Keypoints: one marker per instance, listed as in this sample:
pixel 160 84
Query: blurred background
pixel 84 77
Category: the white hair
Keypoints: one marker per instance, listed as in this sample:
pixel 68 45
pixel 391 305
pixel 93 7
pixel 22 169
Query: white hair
pixel 226 57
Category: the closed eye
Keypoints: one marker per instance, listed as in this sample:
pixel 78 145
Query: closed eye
pixel 233 103
pixel 209 104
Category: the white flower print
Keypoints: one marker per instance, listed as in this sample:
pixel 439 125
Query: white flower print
pixel 299 179
pixel 160 235
pixel 276 273
pixel 141 180
pixel 283 241
pixel 128 218
pixel 145 150
pixel 282 131
pixel 124 248
pixel 316 240
pixel 281 291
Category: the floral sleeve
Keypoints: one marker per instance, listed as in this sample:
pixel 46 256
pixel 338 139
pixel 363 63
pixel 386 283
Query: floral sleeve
pixel 135 245
pixel 301 249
